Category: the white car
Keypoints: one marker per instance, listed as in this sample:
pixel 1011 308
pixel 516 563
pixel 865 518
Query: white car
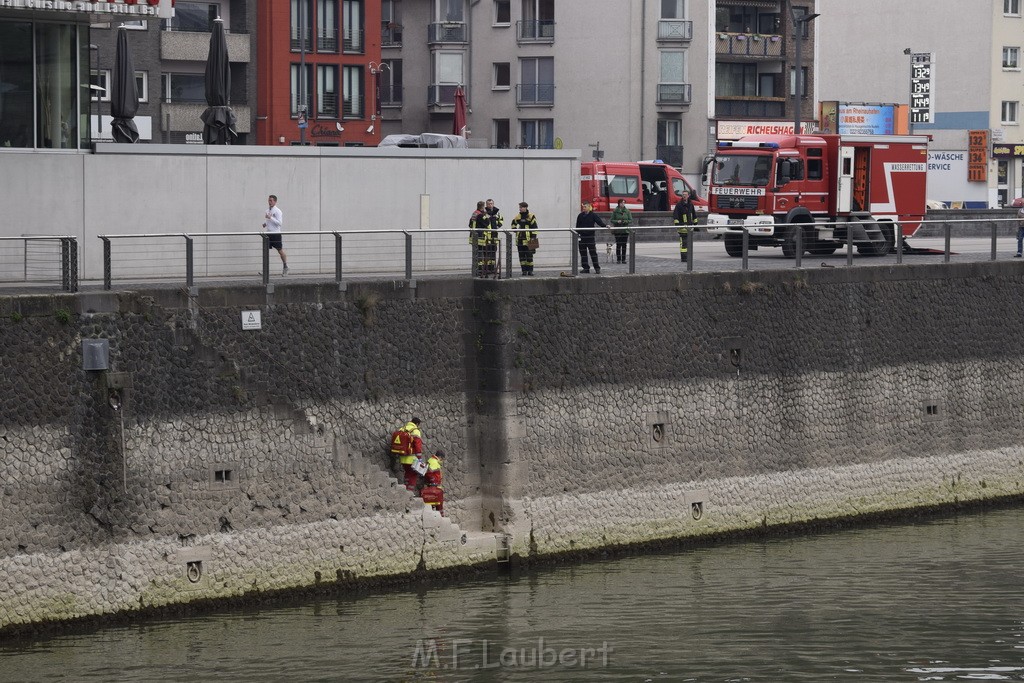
pixel 935 204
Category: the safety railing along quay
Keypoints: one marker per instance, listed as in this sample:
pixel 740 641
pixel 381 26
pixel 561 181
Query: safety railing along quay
pixel 410 254
pixel 40 259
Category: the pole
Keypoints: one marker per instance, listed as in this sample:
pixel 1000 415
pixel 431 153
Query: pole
pixel 797 75
pixel 302 72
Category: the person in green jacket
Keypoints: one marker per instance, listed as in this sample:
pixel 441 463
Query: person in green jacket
pixel 621 220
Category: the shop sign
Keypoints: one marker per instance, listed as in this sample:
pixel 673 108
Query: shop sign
pixel 142 8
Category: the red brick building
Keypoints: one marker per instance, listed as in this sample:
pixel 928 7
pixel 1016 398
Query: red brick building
pixel 340 54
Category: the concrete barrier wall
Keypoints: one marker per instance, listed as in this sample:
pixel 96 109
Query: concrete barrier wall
pixel 576 413
pixel 130 190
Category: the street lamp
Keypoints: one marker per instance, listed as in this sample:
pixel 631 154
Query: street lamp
pixel 375 71
pixel 801 18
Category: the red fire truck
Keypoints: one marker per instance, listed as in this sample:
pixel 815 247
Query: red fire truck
pixel 645 185
pixel 821 188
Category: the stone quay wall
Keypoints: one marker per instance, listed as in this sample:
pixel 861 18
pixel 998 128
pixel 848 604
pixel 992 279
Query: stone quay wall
pixel 576 414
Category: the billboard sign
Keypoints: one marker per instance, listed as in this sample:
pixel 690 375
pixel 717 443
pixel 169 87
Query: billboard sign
pixel 922 83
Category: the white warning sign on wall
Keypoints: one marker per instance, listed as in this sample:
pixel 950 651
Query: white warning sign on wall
pixel 251 320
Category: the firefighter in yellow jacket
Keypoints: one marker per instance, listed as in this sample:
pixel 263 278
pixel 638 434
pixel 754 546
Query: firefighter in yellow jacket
pixel 685 218
pixel 432 493
pixel 525 227
pixel 407 446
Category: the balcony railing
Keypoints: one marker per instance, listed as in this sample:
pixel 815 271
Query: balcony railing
pixel 674 93
pixel 441 94
pixel 446 32
pixel 352 41
pixel 391 36
pixel 296 45
pixel 671 154
pixel 675 30
pixel 391 96
pixel 533 31
pixel 328 105
pixel 535 94
pixel 327 40
pixel 747 107
pixel 757 45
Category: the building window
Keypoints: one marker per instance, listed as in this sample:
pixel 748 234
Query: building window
pixel 391 23
pixel 671 9
pixel 537 133
pixel 448 75
pixel 303 23
pixel 502 133
pixel 1011 8
pixel 502 76
pixel 735 80
pixel 449 10
pixel 352 26
pixel 297 91
pixel 142 85
pixel 327 91
pixel 184 88
pixel 538 23
pixel 672 88
pixel 327 25
pixel 100 85
pixel 502 12
pixel 352 92
pixel 537 81
pixel 1009 112
pixel 390 84
pixel 1011 58
pixel 192 16
pixel 670 142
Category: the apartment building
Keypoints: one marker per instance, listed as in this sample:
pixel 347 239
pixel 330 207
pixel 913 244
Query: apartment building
pixel 169 57
pixel 866 51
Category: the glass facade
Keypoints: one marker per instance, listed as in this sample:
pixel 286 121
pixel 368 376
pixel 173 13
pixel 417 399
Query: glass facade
pixel 44 80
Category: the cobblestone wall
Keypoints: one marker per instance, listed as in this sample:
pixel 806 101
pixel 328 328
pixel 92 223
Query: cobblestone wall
pixel 576 414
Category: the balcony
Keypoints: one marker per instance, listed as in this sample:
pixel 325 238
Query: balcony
pixel 446 32
pixel 675 31
pixel 752 45
pixel 678 94
pixel 352 41
pixel 296 45
pixel 535 95
pixel 327 40
pixel 391 96
pixel 186 46
pixel 186 116
pixel 441 94
pixel 670 154
pixel 531 31
pixel 391 35
pixel 750 107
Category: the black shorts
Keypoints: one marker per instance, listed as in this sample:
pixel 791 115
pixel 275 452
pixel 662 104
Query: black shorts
pixel 274 241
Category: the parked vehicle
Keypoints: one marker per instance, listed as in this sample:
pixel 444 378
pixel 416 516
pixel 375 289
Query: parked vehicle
pixel 646 186
pixel 871 187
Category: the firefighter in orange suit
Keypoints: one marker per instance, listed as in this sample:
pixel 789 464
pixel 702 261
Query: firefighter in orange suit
pixel 407 445
pixel 432 493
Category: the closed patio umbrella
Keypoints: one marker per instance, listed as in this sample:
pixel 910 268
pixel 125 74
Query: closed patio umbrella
pixel 124 97
pixel 218 119
pixel 459 124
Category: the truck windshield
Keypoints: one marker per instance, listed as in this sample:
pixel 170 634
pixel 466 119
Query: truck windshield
pixel 742 169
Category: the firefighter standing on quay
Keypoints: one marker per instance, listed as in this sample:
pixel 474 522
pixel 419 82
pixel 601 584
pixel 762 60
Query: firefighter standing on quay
pixel 684 216
pixel 525 227
pixel 407 446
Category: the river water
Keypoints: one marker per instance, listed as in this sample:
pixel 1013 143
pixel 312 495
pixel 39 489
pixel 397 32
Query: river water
pixel 937 600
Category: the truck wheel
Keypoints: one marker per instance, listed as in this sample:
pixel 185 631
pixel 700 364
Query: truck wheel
pixel 884 247
pixel 734 246
pixel 823 248
pixel 789 244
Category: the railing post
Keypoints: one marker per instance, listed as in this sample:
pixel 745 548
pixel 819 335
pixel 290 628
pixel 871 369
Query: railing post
pixel 106 262
pixel 189 263
pixel 337 257
pixel 746 248
pixel 508 253
pixel 995 227
pixel 799 246
pixel 898 233
pixel 574 257
pixel 65 259
pixel 408 255
pixel 266 258
pixel 632 251
pixel 945 231
pixel 689 248
pixel 849 245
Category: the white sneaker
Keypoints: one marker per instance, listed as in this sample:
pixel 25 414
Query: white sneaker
pixel 284 271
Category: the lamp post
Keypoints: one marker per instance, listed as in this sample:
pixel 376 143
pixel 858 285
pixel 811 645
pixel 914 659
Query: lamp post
pixel 801 18
pixel 303 98
pixel 375 71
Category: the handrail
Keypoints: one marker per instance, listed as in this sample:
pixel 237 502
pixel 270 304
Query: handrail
pixel 66 261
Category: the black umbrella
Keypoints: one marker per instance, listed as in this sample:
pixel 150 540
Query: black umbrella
pixel 124 98
pixel 218 119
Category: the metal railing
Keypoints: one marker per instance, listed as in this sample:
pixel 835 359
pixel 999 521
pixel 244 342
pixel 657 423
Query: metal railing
pixel 542 94
pixel 410 254
pixel 750 45
pixel 535 31
pixel 674 93
pixel 40 259
pixel 675 30
pixel 446 32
